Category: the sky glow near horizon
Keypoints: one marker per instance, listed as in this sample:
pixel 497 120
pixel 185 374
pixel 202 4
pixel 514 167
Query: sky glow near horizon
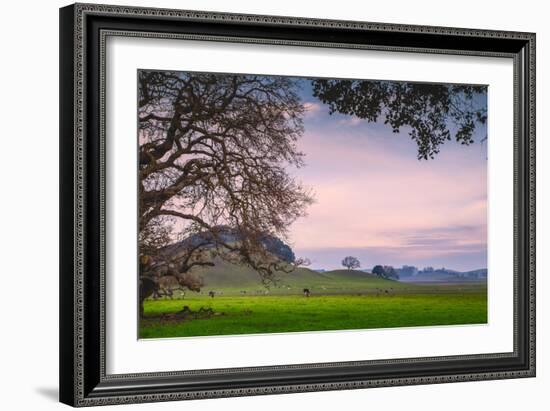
pixel 375 200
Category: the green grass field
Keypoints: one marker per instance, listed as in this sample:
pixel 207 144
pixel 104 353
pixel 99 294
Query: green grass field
pixel 340 300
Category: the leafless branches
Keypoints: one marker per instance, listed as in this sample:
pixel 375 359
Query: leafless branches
pixel 213 152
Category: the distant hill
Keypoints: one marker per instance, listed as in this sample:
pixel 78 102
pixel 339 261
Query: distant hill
pixel 231 278
pixel 351 275
pixel 238 278
pixel 446 275
pixel 228 235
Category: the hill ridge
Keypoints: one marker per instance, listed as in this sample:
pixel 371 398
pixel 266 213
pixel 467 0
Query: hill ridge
pixel 240 279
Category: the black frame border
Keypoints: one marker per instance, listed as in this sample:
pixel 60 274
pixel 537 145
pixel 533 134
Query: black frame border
pixel 83 30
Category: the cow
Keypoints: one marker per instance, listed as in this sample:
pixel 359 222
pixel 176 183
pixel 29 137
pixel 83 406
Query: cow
pixel 211 294
pixel 306 292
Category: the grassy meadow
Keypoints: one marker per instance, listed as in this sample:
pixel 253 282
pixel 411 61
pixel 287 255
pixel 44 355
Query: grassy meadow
pixel 339 300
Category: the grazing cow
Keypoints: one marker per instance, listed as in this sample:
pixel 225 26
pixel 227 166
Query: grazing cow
pixel 211 294
pixel 306 292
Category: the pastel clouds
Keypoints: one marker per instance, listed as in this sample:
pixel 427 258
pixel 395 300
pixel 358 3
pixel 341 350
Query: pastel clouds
pixel 350 121
pixel 373 196
pixel 312 108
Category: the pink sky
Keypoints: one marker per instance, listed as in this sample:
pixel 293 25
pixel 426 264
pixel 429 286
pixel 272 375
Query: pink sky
pixel 376 201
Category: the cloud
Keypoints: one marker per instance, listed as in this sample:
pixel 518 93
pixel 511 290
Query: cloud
pixel 456 259
pixel 372 193
pixel 447 239
pixel 350 121
pixel 312 108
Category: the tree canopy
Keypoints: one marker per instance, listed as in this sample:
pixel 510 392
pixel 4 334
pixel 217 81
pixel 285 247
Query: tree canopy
pixel 351 263
pixel 386 271
pixel 431 113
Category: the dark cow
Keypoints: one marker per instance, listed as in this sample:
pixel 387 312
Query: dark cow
pixel 211 294
pixel 306 292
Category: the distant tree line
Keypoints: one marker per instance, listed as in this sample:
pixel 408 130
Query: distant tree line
pixel 411 271
pixel 385 271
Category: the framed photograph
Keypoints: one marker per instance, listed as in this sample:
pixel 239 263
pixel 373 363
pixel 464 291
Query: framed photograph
pixel 259 205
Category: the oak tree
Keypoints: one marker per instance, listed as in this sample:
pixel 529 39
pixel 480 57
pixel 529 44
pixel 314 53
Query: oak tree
pixel 351 263
pixel 213 157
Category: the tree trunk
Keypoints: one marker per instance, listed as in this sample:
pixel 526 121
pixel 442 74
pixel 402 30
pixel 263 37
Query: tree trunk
pixel 147 287
pixel 141 309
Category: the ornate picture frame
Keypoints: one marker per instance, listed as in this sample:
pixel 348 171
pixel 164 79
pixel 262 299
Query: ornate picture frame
pixel 84 30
